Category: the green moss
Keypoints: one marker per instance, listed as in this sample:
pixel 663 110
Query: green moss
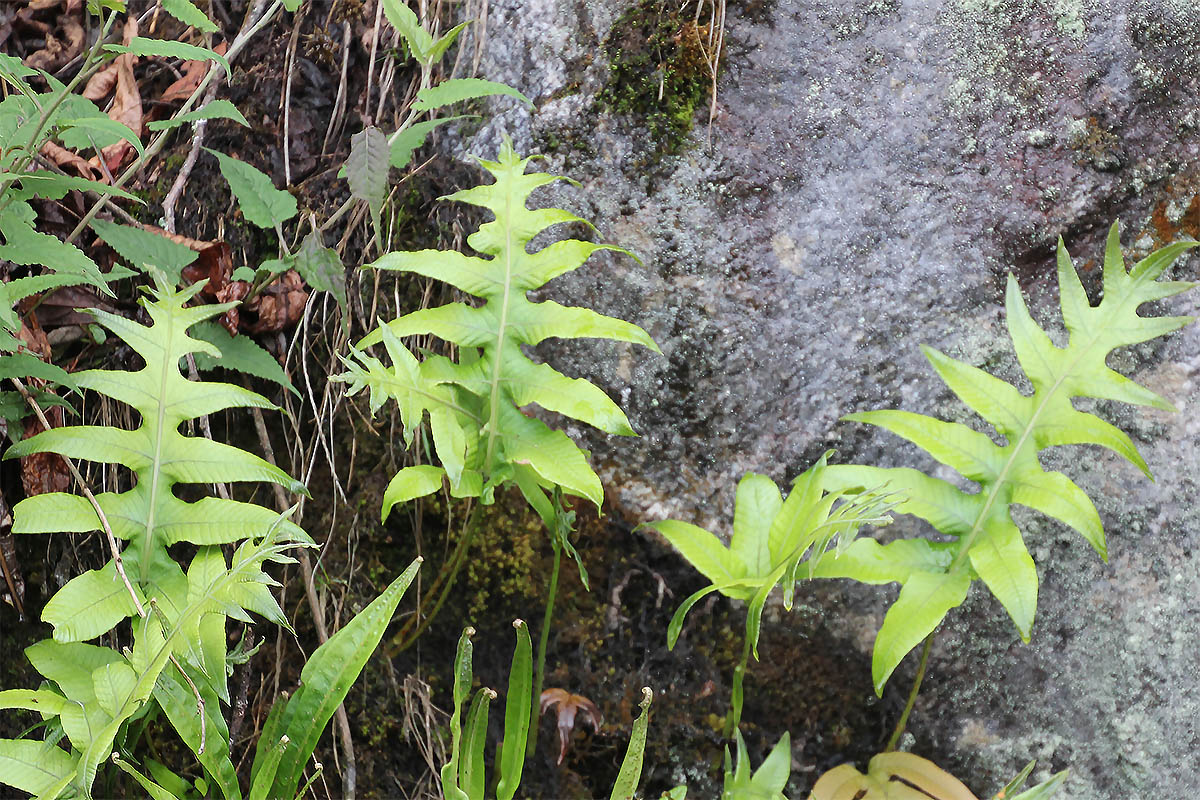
pixel 659 70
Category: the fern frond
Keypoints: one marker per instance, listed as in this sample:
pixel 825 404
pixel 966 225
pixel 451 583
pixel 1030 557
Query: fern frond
pixel 96 690
pixel 150 517
pixel 989 545
pixel 475 400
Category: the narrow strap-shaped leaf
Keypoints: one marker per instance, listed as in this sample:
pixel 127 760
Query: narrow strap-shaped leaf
pixel 471 769
pixel 260 785
pixel 457 90
pixel 327 676
pixel 630 774
pixel 461 688
pixel 140 45
pixel 178 702
pixel 510 758
pixel 154 791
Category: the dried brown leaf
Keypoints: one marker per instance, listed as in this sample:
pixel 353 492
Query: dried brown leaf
pixel 101 85
pixel 127 102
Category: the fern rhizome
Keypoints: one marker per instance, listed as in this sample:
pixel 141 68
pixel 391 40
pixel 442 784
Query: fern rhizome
pixel 985 541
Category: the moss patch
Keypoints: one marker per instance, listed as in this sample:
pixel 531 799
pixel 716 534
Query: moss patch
pixel 659 70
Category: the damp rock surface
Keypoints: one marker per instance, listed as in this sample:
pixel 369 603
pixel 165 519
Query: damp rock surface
pixel 872 173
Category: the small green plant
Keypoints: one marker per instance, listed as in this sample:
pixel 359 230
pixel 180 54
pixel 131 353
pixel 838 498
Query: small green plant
pixel 984 539
pixel 773 539
pixel 474 401
pixel 464 774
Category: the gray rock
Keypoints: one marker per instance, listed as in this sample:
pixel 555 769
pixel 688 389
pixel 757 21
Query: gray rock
pixel 873 172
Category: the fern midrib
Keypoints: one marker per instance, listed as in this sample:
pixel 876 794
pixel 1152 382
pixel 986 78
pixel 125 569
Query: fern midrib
pixel 156 462
pixel 497 359
pixel 969 539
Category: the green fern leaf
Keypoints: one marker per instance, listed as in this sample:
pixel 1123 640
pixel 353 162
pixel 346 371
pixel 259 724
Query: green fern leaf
pixel 988 544
pixel 150 517
pixel 475 400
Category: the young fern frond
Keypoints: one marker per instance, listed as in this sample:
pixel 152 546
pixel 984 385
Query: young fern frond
pixel 150 517
pixel 481 437
pixel 94 691
pixel 987 543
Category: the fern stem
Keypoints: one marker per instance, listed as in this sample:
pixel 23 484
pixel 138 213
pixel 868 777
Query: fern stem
pixel 736 695
pixel 540 675
pixel 912 695
pixel 441 588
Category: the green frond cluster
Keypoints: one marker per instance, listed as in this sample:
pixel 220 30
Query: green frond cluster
pixel 149 516
pixel 987 543
pixel 474 401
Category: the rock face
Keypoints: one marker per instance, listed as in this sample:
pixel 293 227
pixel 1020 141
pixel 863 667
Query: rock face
pixel 873 171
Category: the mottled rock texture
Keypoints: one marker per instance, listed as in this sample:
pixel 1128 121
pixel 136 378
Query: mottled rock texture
pixel 874 170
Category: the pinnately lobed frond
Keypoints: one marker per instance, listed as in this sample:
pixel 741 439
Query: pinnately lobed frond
pixel 986 542
pixel 150 517
pixel 474 402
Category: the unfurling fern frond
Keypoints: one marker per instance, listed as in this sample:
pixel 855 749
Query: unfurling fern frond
pixel 986 540
pixel 150 517
pixel 479 432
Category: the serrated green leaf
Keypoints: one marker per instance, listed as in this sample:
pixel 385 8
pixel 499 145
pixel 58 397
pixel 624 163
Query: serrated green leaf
pixel 52 186
pixel 326 678
pixel 262 204
pixel 188 14
pixel 141 46
pixel 23 245
pixel 146 249
pixel 405 20
pixel 367 166
pixel 403 144
pixel 217 109
pixel 26 365
pixel 239 353
pixel 456 90
pixel 97 131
